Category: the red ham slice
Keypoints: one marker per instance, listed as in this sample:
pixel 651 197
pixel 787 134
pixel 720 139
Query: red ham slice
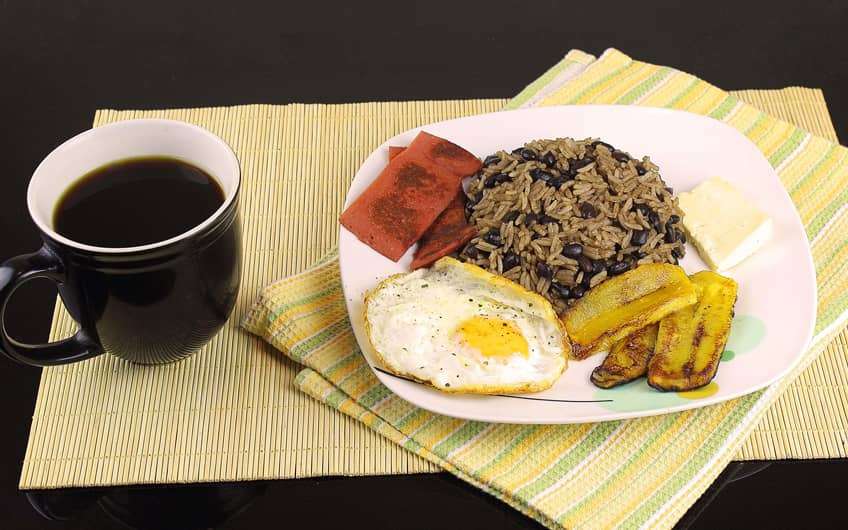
pixel 447 233
pixel 409 194
pixel 395 151
pixel 445 153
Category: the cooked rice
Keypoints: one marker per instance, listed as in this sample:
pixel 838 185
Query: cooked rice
pixel 529 208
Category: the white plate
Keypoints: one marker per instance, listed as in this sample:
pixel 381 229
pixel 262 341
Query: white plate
pixel 776 307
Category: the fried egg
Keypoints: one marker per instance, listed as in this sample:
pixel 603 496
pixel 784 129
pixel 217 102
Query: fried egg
pixel 463 329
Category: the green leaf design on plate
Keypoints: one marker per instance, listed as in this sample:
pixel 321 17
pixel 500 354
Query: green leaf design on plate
pixel 635 396
pixel 745 333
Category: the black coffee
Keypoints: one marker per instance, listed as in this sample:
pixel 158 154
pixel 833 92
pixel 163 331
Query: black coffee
pixel 136 202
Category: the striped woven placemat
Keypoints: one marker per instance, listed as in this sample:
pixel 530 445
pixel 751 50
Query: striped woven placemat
pixel 231 412
pixel 638 473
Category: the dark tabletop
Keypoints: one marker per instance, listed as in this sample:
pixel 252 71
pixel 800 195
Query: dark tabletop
pixel 60 61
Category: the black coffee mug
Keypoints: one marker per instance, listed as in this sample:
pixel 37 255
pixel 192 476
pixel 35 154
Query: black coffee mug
pixel 149 304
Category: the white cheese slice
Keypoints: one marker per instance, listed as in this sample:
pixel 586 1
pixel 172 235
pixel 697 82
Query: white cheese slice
pixel 723 224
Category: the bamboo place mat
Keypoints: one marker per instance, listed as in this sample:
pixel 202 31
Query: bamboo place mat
pixel 231 412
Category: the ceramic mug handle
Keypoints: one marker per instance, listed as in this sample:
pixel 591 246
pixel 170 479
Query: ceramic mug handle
pixel 15 272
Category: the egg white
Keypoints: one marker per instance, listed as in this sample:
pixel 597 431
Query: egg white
pixel 413 322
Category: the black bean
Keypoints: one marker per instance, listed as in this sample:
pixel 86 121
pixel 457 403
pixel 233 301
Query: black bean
pixel 671 235
pixel 510 260
pixel 528 154
pixel 543 270
pixel 549 159
pixel 677 252
pixel 497 178
pixel 597 266
pixel 584 263
pixel 510 216
pixel 477 197
pixel 469 208
pixel 639 237
pixel 683 237
pixel 640 169
pixel 517 151
pixel 654 219
pixel 637 255
pixel 644 209
pixel 618 267
pixel 561 290
pixel 582 162
pixel 617 247
pixel 530 218
pixel 587 281
pixel 545 219
pixel 491 160
pixel 670 190
pixel 556 182
pixel 572 250
pixel 493 237
pixel 471 251
pixel 587 211
pixel 539 174
pixel 596 143
pixel 620 156
pixel 578 291
pixel 674 218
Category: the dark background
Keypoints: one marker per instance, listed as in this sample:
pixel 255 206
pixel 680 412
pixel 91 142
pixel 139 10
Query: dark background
pixel 60 61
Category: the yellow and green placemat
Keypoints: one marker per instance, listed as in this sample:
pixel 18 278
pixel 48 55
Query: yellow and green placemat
pixel 643 472
pixel 231 412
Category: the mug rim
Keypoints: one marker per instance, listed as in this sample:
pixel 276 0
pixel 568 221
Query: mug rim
pixel 231 195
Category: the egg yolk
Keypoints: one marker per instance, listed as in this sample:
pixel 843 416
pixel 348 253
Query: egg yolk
pixel 492 337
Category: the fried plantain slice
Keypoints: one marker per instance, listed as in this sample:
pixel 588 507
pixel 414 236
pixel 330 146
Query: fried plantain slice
pixel 627 359
pixel 690 342
pixel 623 304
